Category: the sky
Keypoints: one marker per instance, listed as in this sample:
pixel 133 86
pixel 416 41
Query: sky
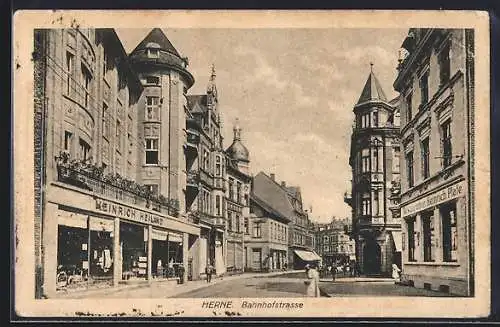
pixel 293 91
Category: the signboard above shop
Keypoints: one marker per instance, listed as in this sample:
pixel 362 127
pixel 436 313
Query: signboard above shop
pixel 449 193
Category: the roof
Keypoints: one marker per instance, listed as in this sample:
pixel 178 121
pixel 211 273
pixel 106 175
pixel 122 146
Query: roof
pixel 156 36
pixel 272 194
pixel 197 103
pixel 238 151
pixel 372 91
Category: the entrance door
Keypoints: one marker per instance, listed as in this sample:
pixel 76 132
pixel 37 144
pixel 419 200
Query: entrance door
pixel 371 258
pixel 256 259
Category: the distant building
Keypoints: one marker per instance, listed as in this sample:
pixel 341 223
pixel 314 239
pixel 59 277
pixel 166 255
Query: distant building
pixel 332 243
pixel 374 159
pixel 436 83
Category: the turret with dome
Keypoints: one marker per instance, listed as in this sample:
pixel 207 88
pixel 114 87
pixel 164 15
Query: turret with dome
pixel 237 152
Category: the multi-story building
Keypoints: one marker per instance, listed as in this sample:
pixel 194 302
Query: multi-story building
pixel 436 83
pixel 109 211
pixel 374 159
pixel 237 202
pixel 332 243
pixel 206 174
pixel 267 230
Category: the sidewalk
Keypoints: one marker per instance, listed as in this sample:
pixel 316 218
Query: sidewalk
pixel 358 280
pixel 172 286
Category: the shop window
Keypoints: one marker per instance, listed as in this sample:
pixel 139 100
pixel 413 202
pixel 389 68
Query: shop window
pixel 68 137
pixel 446 143
pixel 408 100
pixel 247 227
pixel 450 232
pixel 151 151
pixel 84 150
pixel 152 108
pixel 365 160
pixel 70 67
pixel 428 231
pixel 444 65
pixel 411 239
pixel 409 168
pixel 425 157
pixel 424 88
pixel 257 230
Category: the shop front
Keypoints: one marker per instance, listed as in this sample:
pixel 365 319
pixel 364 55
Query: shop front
pixel 435 239
pixel 91 241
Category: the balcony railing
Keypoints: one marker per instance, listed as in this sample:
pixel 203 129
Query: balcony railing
pixel 110 188
pixel 208 218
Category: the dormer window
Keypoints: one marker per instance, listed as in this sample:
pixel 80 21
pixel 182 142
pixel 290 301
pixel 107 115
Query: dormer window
pixel 153 50
pixel 152 53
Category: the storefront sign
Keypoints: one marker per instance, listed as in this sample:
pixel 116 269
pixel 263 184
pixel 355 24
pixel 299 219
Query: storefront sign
pixel 449 193
pixel 129 213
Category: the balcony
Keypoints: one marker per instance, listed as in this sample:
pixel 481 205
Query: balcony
pixel 369 221
pixel 193 139
pixel 193 177
pixel 90 177
pixel 215 221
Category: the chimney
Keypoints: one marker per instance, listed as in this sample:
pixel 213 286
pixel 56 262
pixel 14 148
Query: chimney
pixel 273 177
pixel 283 183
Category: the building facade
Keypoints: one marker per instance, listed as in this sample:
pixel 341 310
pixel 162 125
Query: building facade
pixel 237 202
pixel 374 159
pixel 102 220
pixel 333 244
pixel 436 81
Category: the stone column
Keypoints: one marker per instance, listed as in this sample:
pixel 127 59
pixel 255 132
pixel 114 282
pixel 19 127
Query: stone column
pixel 185 253
pixel 150 251
pixel 117 253
pixel 419 238
pixel 50 240
pixel 438 235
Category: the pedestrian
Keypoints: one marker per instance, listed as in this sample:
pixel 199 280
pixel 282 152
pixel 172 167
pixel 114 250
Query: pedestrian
pixel 334 270
pixel 171 268
pixel 159 269
pixel 181 271
pixel 208 272
pixel 395 273
pixel 312 281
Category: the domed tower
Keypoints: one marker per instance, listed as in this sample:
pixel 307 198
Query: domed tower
pixel 374 160
pixel 237 151
pixel 162 115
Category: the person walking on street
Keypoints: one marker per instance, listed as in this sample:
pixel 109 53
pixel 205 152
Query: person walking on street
pixel 334 270
pixel 181 271
pixel 208 272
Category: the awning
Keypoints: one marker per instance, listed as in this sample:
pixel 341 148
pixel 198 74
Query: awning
pixel 398 240
pixel 307 255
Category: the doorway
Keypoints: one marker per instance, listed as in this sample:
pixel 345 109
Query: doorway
pixel 371 258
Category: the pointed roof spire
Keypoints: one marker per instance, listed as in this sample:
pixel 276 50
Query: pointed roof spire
pixel 211 87
pixel 237 130
pixel 156 36
pixel 372 91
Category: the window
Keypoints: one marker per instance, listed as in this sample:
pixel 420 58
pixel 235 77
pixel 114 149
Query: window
pixel 257 230
pixel 218 205
pixel 446 143
pixel 425 158
pixel 155 80
pixel 118 136
pixel 376 211
pixel 247 230
pixel 105 122
pixel 409 108
pixel 375 119
pixel 365 120
pixel 84 150
pixel 151 151
pixel 104 64
pixel 246 199
pixel 152 189
pixel 231 188
pixel 70 66
pixel 153 53
pixel 409 168
pixel 376 160
pixel 424 88
pixel 395 160
pixel 444 65
pixel 68 136
pixel 366 206
pixel 229 221
pixel 238 228
pixel 206 159
pixel 238 192
pixel 428 231
pixel 365 160
pixel 152 108
pixel 450 233
pixel 86 79
pixel 218 165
